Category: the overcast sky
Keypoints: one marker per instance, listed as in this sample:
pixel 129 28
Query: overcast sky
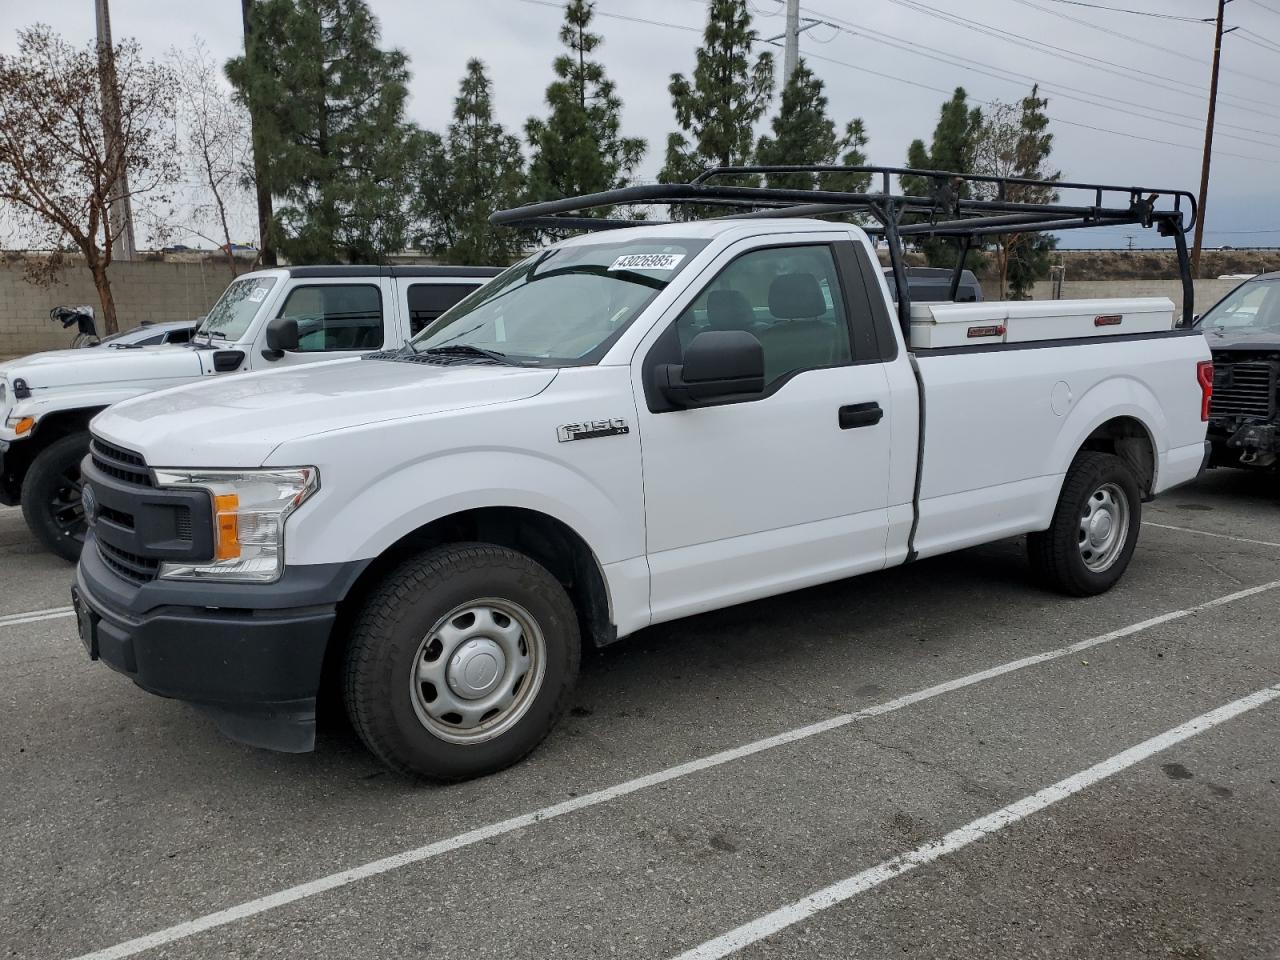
pixel 885 76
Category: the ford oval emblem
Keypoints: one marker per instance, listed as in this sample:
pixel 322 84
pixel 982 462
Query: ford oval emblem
pixel 89 501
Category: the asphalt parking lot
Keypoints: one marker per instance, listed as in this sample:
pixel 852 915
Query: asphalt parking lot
pixel 955 763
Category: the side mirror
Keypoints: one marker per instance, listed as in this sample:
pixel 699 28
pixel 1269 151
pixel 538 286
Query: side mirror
pixel 282 335
pixel 718 364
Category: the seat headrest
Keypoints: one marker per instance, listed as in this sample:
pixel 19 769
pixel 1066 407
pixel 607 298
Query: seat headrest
pixel 729 310
pixel 793 296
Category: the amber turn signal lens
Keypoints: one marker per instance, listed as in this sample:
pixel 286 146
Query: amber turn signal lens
pixel 24 425
pixel 226 531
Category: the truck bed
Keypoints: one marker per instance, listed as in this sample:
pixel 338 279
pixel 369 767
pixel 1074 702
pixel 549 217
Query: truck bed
pixel 1003 418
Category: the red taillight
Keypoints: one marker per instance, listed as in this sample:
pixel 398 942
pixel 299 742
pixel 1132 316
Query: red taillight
pixel 1204 373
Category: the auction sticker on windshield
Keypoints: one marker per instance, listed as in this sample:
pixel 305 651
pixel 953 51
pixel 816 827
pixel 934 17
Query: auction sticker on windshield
pixel 648 261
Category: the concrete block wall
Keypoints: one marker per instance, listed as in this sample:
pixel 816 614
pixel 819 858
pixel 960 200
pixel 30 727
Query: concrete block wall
pixel 143 290
pixel 1207 292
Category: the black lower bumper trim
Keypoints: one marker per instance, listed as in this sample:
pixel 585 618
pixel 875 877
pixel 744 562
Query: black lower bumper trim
pixel 256 671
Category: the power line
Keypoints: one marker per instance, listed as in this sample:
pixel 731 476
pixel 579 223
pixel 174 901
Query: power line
pixel 1142 42
pixel 1248 36
pixel 1259 3
pixel 1143 110
pixel 1138 13
pixel 912 83
pixel 1072 56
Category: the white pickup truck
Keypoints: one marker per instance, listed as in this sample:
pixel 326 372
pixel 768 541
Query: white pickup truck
pixel 265 320
pixel 625 428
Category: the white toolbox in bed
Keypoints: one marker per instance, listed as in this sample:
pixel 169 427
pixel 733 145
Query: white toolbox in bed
pixel 935 325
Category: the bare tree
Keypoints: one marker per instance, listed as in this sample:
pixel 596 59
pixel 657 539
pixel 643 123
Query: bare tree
pixel 56 173
pixel 1013 142
pixel 215 147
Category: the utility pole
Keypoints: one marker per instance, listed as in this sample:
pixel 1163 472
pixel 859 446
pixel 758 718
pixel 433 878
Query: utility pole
pixel 266 249
pixel 791 47
pixel 1208 138
pixel 120 210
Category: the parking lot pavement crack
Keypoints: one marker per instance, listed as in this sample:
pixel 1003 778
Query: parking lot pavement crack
pixel 1217 569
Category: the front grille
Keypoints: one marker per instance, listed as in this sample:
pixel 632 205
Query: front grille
pixel 128 565
pixel 119 463
pixel 118 517
pixel 1244 389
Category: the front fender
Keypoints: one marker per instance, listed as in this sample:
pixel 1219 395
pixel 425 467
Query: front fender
pixel 340 524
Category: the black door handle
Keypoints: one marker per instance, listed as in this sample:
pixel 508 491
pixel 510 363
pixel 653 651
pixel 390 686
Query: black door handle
pixel 860 415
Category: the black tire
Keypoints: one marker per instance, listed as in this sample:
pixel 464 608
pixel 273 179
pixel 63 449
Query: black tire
pixel 393 635
pixel 51 496
pixel 1058 555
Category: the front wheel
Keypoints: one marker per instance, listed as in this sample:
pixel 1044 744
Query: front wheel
pixel 1095 527
pixel 51 496
pixel 461 661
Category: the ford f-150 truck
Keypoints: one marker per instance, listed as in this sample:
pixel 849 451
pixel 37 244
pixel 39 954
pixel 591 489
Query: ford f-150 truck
pixel 627 427
pixel 264 320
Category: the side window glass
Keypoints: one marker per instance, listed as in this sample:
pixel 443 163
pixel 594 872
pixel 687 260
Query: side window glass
pixel 336 317
pixel 179 336
pixel 427 301
pixel 788 298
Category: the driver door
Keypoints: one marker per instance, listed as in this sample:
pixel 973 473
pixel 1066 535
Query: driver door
pixel 764 494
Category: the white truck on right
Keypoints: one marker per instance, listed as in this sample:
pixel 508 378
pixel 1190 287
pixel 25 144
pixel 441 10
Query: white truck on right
pixel 624 428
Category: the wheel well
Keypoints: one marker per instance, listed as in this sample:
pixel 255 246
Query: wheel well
pixel 1127 438
pixel 540 537
pixel 55 426
pixel 49 428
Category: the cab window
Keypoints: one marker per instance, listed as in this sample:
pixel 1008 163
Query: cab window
pixel 788 298
pixel 336 317
pixel 427 301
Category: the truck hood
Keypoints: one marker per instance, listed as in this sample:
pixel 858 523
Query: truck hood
pixel 84 367
pixel 238 421
pixel 1242 340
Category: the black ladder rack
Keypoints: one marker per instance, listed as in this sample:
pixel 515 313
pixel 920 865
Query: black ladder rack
pixel 948 210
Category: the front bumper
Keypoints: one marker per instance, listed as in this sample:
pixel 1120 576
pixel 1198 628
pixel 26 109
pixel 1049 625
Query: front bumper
pixel 13 467
pixel 249 655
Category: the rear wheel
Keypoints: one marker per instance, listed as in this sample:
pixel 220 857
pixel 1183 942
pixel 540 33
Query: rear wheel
pixel 1095 527
pixel 51 496
pixel 461 661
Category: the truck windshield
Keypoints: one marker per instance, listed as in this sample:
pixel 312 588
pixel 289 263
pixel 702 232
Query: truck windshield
pixel 1252 307
pixel 230 317
pixel 561 307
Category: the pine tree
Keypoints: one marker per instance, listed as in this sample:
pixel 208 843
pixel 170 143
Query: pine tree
pixel 339 153
pixel 803 133
pixel 1027 257
pixel 718 109
pixel 578 148
pixel 952 149
pixel 466 175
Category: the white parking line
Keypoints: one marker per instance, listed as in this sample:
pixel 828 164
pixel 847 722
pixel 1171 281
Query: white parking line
pixel 343 878
pixel 34 616
pixel 784 917
pixel 1206 533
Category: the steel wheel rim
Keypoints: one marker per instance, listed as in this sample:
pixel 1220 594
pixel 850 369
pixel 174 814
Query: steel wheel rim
pixel 477 671
pixel 66 508
pixel 1104 527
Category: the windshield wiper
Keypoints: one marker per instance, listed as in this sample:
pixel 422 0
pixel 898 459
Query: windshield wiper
pixel 467 350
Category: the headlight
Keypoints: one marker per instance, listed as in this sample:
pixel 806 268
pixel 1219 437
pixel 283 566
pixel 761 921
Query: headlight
pixel 4 391
pixel 249 511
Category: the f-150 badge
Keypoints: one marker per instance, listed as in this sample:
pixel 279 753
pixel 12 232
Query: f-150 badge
pixel 590 429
